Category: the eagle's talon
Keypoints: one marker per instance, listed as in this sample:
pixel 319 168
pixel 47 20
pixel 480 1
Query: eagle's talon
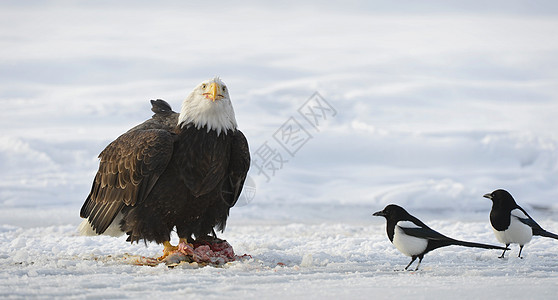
pixel 168 250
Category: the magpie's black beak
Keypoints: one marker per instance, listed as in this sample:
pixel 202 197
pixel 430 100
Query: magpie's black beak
pixel 379 214
pixel 489 196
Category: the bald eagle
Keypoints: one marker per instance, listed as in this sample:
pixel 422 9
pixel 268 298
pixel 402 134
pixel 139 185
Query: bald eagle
pixel 175 171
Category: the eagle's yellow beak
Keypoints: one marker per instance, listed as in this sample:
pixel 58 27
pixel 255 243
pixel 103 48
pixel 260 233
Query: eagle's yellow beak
pixel 212 92
pixel 213 88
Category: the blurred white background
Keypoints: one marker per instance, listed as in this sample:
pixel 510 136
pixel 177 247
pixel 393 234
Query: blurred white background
pixel 437 102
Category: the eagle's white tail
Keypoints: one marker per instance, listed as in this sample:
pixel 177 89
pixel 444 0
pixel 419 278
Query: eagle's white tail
pixel 85 228
pixel 113 230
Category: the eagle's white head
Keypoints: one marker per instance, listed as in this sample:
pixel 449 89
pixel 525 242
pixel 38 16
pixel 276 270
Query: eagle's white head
pixel 209 105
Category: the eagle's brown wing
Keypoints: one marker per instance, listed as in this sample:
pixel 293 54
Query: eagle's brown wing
pixel 129 168
pixel 164 117
pixel 238 168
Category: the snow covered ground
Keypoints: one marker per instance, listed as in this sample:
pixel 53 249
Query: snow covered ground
pixel 428 105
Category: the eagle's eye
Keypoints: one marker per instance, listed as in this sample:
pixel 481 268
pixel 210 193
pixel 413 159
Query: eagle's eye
pixel 204 86
pixel 224 88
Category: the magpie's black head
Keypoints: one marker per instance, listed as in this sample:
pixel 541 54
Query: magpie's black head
pixel 392 212
pixel 501 198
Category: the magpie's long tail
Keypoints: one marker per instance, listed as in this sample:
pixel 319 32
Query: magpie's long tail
pixel 545 233
pixel 478 245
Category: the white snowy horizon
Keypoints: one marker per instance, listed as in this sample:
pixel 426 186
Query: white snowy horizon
pixel 437 102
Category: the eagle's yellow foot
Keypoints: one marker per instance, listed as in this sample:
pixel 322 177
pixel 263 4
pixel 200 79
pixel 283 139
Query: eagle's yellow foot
pixel 183 241
pixel 168 250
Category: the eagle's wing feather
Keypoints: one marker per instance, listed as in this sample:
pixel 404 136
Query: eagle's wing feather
pixel 238 168
pixel 129 168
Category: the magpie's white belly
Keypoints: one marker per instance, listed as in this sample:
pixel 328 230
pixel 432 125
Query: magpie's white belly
pixel 408 245
pixel 517 233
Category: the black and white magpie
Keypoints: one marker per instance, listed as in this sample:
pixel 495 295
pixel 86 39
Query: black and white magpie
pixel 413 238
pixel 511 223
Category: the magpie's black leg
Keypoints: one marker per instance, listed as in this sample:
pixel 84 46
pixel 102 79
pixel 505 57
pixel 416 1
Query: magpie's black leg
pixel 214 234
pixel 420 260
pixel 520 248
pixel 413 258
pixel 502 256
